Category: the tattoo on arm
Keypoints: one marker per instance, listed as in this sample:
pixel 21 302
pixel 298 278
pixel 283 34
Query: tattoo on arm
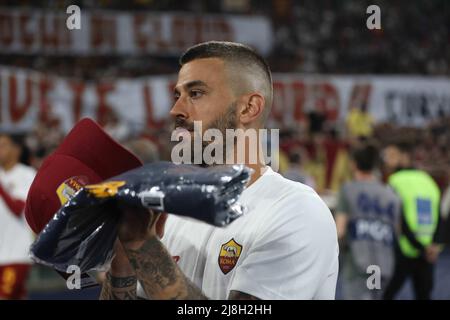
pixel 159 274
pixel 119 288
pixel 237 295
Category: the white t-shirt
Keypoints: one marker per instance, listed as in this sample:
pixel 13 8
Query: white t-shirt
pixel 15 235
pixel 284 247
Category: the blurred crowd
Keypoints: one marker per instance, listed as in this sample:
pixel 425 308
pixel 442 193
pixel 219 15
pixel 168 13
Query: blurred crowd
pixel 323 150
pixel 317 151
pixel 310 36
pixel 320 155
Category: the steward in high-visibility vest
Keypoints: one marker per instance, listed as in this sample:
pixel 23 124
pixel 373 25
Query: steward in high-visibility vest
pixel 420 197
pixel 418 244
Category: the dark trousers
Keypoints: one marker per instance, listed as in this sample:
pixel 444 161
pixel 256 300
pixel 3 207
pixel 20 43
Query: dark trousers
pixel 421 273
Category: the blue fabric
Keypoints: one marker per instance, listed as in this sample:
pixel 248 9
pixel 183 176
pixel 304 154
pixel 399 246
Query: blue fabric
pixel 84 230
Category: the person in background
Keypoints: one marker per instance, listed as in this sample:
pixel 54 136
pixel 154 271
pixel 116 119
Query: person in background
pixel 146 150
pixel 116 127
pixel 417 248
pixel 15 236
pixel 295 171
pixel 360 123
pixel 367 219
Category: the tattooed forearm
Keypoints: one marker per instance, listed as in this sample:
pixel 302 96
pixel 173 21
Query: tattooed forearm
pixel 158 273
pixel 119 288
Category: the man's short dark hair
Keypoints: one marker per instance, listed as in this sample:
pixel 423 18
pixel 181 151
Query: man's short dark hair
pixel 404 147
pixel 366 157
pixel 237 54
pixel 17 139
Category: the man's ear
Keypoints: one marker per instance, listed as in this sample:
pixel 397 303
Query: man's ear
pixel 253 107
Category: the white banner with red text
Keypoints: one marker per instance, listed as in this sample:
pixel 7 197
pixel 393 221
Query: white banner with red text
pixel 26 96
pixel 133 33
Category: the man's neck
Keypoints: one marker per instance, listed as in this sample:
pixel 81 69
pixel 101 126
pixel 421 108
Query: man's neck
pixel 364 176
pixel 8 165
pixel 259 167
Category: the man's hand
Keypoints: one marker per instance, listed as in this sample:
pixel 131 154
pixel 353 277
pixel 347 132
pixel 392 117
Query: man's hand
pixel 432 252
pixel 138 225
pixel 140 255
pixel 120 265
pixel 140 231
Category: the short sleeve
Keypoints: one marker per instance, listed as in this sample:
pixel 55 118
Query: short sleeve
pixel 342 203
pixel 295 257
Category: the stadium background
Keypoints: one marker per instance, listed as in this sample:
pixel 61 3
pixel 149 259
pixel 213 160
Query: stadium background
pixel 334 80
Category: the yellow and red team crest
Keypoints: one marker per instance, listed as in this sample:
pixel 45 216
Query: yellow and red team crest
pixel 68 188
pixel 229 255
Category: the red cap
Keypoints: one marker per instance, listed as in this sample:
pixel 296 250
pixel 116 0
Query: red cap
pixel 87 155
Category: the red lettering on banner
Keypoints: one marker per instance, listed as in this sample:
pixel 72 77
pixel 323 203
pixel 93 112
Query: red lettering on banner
pixel 27 39
pixel 103 109
pixel 147 32
pixel 54 33
pixel 140 38
pixel 150 120
pixel 217 29
pixel 45 85
pixel 103 32
pixel 299 92
pixel 6 29
pixel 78 90
pixel 184 31
pixel 187 31
pixel 326 99
pixel 16 110
pixel 279 100
pixel 360 95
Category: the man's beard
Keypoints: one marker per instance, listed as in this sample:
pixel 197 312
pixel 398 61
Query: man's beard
pixel 226 120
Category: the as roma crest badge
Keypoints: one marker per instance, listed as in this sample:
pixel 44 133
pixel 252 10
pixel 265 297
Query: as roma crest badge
pixel 229 255
pixel 68 188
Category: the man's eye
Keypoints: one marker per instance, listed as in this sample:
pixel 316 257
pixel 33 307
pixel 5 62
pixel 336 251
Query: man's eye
pixel 176 97
pixel 195 94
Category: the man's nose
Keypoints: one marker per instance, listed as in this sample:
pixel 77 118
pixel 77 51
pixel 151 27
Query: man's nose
pixel 179 109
